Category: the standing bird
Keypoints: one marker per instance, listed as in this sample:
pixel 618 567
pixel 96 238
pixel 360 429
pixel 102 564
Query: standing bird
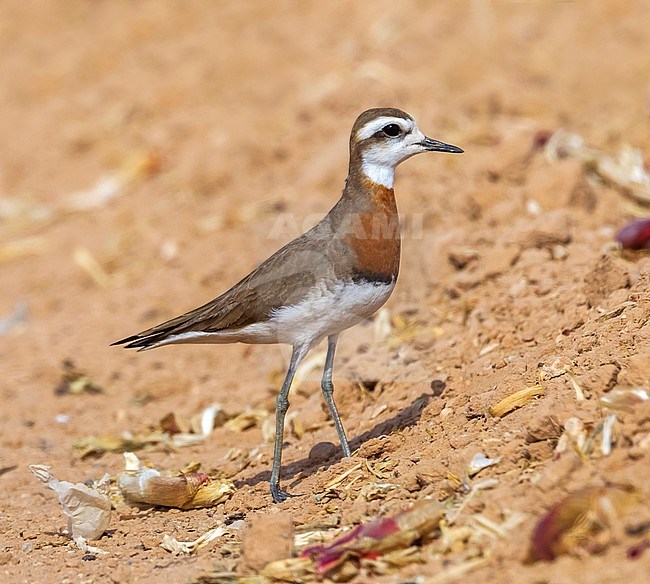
pixel 330 278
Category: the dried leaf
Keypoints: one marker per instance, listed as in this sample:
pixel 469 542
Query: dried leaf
pixel 382 325
pixel 516 400
pixel 88 508
pixel 616 311
pixel 376 491
pixel 136 167
pixel 573 435
pixel 97 445
pixel 488 349
pixel 315 362
pixel 246 420
pixel 16 317
pixel 373 539
pixel 479 462
pixel 6 469
pixel 22 248
pixel 624 399
pixel 89 264
pixel 171 424
pixel 580 521
pixel 290 570
pixel 187 491
pixel 563 366
pixel 75 381
pixel 202 426
pixel 584 438
pixel 626 170
pixel 606 442
pixel 340 478
pixel 177 548
pixel 296 427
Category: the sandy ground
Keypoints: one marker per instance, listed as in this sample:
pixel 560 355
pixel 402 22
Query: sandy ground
pixel 217 132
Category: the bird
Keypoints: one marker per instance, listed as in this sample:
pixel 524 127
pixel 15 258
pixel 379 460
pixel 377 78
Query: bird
pixel 325 281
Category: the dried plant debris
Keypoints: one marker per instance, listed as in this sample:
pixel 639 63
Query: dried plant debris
pixel 563 366
pixel 615 311
pixel 289 570
pixel 6 469
pixel 624 399
pixel 317 534
pixel 452 515
pixel 479 462
pixel 635 235
pixel 516 400
pixel 88 508
pixel 171 432
pixel 98 445
pixel 186 490
pixel 246 420
pixel 136 167
pixel 589 519
pixel 87 261
pixel 584 438
pixel 177 548
pixel 626 170
pixel 75 381
pixel 15 318
pixel 21 248
pixel 371 540
pixel 197 430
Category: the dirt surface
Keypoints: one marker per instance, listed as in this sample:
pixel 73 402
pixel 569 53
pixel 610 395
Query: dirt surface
pixel 153 153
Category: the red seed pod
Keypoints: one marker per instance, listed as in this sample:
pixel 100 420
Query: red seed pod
pixel 635 235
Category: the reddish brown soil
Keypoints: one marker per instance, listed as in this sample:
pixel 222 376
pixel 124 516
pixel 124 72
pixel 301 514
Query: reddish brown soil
pixel 236 120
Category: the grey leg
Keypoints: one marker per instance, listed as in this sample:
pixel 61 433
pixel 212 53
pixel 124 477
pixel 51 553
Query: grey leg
pixel 328 393
pixel 282 405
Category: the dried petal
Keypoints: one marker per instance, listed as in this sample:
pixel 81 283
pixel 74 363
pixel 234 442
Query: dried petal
pixel 373 539
pixel 635 235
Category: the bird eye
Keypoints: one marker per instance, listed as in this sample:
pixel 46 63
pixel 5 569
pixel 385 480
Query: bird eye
pixel 392 130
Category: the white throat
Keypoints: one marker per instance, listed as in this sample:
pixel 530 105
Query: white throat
pixel 379 173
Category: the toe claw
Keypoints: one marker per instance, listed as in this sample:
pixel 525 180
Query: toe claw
pixel 279 495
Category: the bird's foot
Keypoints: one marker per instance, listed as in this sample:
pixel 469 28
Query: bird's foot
pixel 279 495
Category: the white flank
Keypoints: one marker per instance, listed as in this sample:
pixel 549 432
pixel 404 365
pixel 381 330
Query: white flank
pixel 328 311
pixel 323 312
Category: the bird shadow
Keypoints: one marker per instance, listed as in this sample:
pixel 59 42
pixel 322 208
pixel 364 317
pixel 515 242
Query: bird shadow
pixel 300 469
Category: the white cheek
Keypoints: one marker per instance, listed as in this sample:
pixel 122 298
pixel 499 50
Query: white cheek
pixel 379 163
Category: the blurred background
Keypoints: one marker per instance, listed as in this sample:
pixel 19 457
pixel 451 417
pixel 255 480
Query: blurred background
pixel 153 153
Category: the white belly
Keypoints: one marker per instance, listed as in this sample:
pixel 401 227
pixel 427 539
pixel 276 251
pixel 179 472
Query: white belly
pixel 322 313
pixel 329 311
